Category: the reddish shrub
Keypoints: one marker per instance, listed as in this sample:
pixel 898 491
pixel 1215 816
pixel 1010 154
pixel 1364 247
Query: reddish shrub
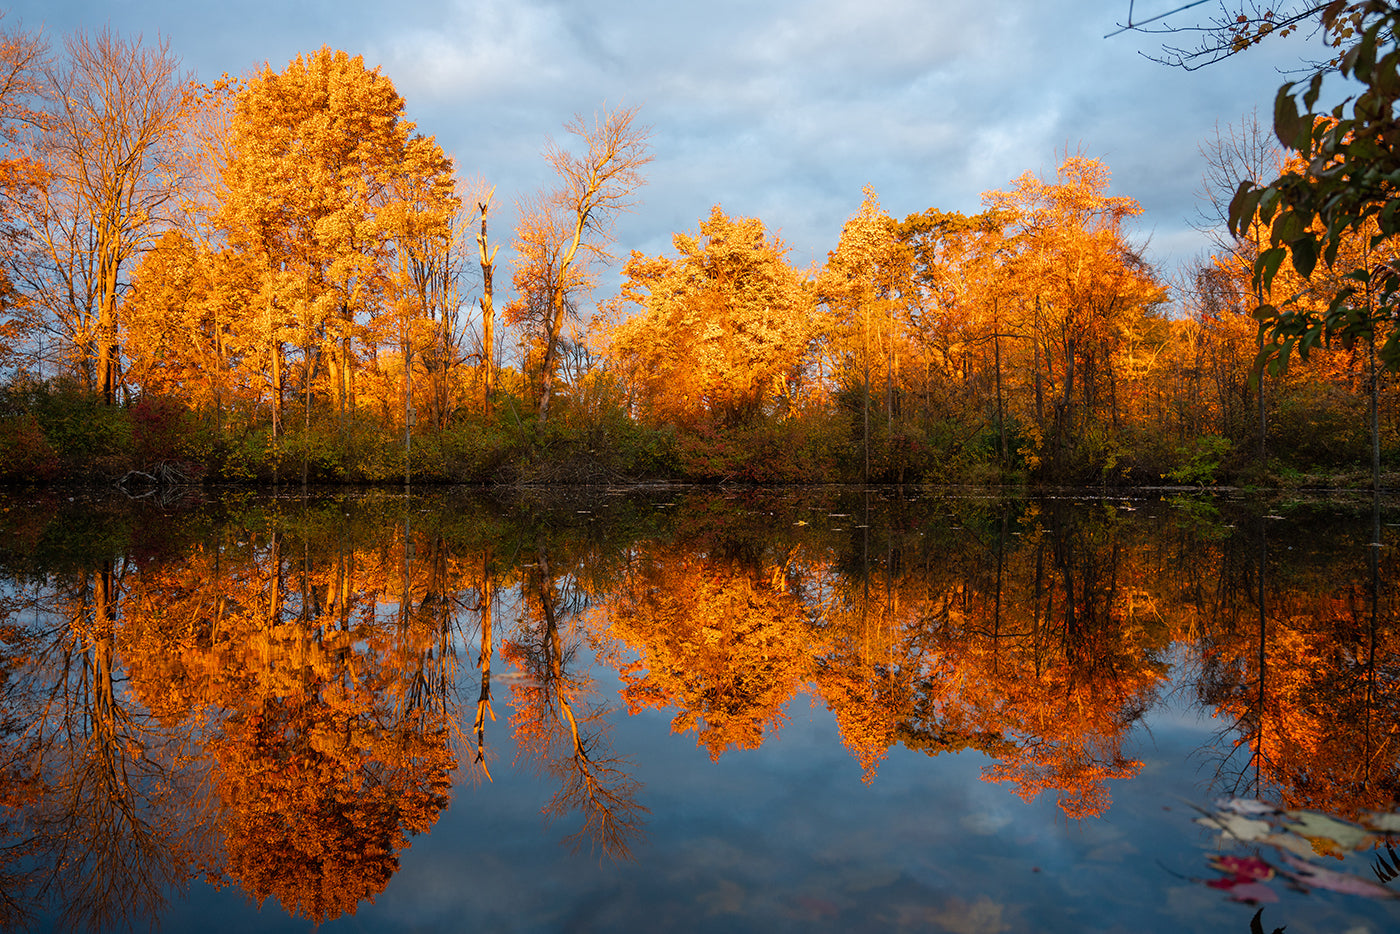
pixel 25 454
pixel 162 431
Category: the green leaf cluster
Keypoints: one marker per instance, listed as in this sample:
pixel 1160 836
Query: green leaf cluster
pixel 1342 190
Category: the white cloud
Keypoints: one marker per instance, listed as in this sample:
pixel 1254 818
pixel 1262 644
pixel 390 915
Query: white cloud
pixel 491 48
pixel 783 109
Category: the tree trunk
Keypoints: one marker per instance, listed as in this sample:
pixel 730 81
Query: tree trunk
pixel 550 353
pixel 488 311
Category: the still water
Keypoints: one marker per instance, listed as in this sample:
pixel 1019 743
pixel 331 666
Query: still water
pixel 698 711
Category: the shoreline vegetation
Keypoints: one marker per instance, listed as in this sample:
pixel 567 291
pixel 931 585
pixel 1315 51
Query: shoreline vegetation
pixel 62 436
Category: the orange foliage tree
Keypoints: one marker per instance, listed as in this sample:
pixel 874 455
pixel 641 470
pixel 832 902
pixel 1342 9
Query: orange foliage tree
pixel 21 178
pixel 1080 285
pixel 325 180
pixel 724 326
pixel 857 289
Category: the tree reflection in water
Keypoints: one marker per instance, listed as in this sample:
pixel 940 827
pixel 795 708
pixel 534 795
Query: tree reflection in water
pixel 1303 666
pixel 100 771
pixel 272 699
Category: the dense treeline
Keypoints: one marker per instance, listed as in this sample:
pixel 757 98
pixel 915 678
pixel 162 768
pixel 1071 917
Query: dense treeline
pixel 280 278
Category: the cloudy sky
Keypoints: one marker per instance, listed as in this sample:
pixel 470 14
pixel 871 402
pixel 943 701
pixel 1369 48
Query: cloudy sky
pixel 780 109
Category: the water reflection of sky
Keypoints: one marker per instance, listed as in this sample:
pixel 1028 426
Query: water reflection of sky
pixel 787 838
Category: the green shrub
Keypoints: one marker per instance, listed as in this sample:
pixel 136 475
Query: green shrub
pixel 1200 460
pixel 90 438
pixel 312 454
pixel 643 451
pixel 1319 424
pixel 244 457
pixel 787 450
pixel 473 452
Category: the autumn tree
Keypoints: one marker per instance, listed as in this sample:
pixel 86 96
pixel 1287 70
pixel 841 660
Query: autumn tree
pixel 22 60
pixel 915 317
pixel 421 313
pixel 325 179
pixel 189 318
pixel 1080 284
pixel 187 335
pixel 110 174
pixel 955 304
pixel 858 288
pixel 1207 387
pixel 562 230
pixel 723 328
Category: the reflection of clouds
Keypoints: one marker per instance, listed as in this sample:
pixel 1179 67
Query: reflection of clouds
pixel 984 823
pixel 982 916
pixel 726 898
pixel 775 840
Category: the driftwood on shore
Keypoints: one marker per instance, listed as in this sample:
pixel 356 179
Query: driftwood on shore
pixel 161 480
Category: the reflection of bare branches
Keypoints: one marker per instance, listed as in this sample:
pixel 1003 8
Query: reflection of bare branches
pixel 426 641
pixel 18 784
pixel 596 784
pixel 592 780
pixel 107 772
pixel 167 483
pixel 1225 680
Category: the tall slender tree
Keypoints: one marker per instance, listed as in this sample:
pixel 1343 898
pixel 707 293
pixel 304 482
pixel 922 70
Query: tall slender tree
pixel 113 107
pixel 22 60
pixel 563 229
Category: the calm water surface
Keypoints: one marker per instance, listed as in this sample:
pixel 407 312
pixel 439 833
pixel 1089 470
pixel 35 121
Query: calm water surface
pixel 701 711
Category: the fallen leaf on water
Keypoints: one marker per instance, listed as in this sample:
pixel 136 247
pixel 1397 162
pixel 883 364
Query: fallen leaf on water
pixel 1344 882
pixel 1248 868
pixel 1326 846
pixel 1244 878
pixel 1289 843
pixel 1312 825
pixel 1241 828
pixel 1249 807
pixel 1254 893
pixel 1385 823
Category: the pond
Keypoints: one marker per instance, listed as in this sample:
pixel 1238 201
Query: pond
pixel 699 710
